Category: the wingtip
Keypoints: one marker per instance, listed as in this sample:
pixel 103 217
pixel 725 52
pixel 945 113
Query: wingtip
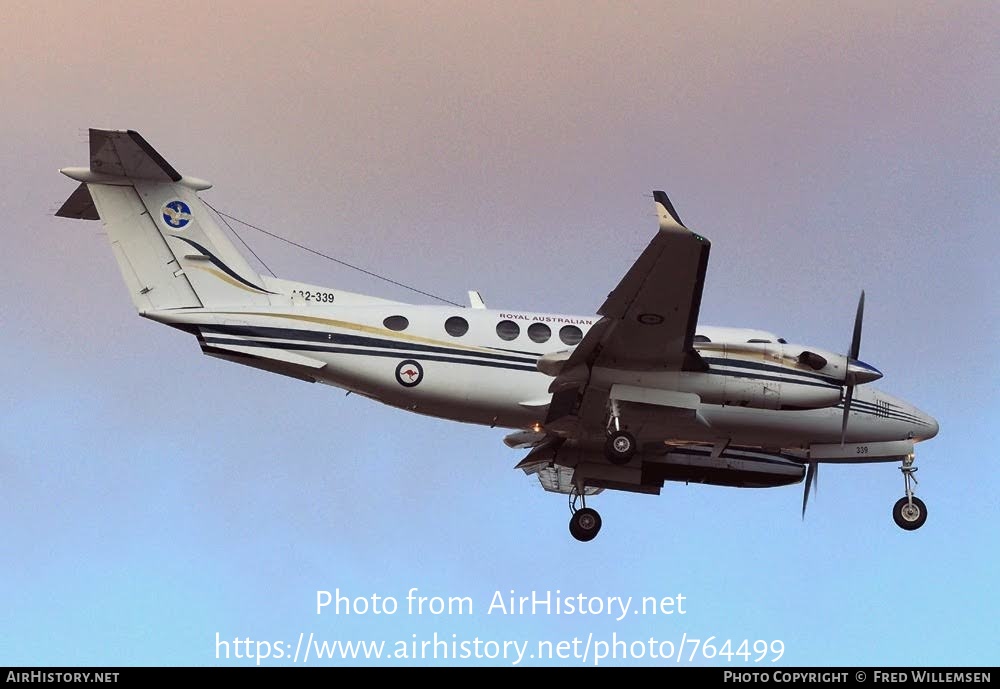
pixel 666 212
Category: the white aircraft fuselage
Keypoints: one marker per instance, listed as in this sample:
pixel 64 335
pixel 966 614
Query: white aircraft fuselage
pixel 482 379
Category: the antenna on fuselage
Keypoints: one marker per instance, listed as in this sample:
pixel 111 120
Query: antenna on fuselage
pixel 476 300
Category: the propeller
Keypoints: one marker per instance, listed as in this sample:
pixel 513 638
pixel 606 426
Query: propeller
pixel 812 479
pixel 856 371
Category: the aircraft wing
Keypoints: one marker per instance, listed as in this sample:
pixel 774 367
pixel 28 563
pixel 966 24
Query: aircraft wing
pixel 654 308
pixel 648 320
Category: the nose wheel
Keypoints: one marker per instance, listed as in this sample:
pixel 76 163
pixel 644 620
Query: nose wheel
pixel 909 512
pixel 585 523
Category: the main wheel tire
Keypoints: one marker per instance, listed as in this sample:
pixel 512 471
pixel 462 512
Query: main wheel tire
pixel 909 516
pixel 620 447
pixel 585 524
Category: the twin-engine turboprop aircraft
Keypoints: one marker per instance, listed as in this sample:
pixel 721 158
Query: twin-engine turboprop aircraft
pixel 630 398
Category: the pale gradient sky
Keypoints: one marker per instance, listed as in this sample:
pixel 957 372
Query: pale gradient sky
pixel 152 497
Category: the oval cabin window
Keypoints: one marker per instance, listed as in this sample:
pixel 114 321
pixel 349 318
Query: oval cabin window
pixel 570 334
pixel 508 330
pixel 539 332
pixel 396 323
pixel 456 326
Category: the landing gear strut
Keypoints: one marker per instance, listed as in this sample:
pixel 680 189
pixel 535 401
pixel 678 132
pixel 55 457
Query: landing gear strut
pixel 585 523
pixel 620 445
pixel 909 512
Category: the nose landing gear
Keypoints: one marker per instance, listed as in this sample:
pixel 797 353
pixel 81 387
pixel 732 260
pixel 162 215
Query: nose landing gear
pixel 909 512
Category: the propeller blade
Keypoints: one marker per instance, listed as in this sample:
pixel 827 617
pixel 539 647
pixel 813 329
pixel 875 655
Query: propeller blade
pixel 852 356
pixel 847 411
pixel 812 474
pixel 856 339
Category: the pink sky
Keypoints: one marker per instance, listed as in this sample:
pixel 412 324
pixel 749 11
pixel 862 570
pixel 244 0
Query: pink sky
pixel 510 148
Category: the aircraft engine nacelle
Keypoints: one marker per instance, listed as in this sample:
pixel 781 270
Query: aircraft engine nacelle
pixel 770 376
pixel 759 393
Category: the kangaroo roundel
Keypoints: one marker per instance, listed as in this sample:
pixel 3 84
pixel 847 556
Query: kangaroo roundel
pixel 409 373
pixel 176 214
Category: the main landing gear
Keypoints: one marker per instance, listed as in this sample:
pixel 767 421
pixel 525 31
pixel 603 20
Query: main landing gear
pixel 585 523
pixel 621 445
pixel 619 449
pixel 909 512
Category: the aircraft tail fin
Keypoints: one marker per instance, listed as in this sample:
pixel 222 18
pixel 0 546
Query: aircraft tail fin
pixel 169 249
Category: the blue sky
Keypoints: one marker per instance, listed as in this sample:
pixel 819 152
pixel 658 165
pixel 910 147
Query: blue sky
pixel 153 497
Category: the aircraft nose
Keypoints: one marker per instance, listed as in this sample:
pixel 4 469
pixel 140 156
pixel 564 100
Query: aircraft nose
pixel 930 430
pixel 859 373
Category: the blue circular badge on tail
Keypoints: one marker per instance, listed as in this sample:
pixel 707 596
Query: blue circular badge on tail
pixel 176 214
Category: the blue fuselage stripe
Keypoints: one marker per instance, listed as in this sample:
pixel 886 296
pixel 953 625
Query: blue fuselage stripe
pixel 318 336
pixel 303 347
